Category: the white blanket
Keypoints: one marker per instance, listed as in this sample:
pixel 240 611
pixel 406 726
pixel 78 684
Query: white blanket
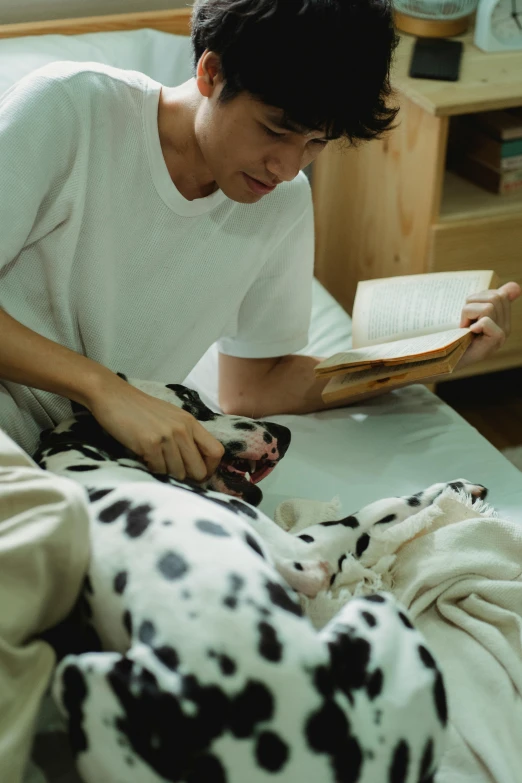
pixel 458 569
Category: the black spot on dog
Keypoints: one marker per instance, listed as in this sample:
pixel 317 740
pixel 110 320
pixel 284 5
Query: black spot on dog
pixel 207 767
pixel 340 562
pixel 426 766
pixel 127 622
pixel 328 732
pixel 268 438
pixel 323 681
pixel 236 447
pixel 74 693
pixel 362 545
pixel 168 656
pixel 226 664
pixel 426 657
pixel 374 685
pixel 254 704
pixel 385 520
pixel 97 494
pixel 212 528
pixel 398 772
pixel 252 543
pixel 244 425
pixel 456 485
pixel 120 582
pixel 439 694
pixel 111 513
pixel 307 539
pixel 279 597
pixel 298 567
pixel 244 507
pixel 269 645
pixel 271 752
pixel 192 402
pixel 146 632
pixel 150 717
pixel 376 599
pixel 172 566
pixel 414 500
pixel 236 583
pixel 138 520
pixel 349 661
pixel 370 619
pixel 405 621
pixel 82 468
pixel 349 521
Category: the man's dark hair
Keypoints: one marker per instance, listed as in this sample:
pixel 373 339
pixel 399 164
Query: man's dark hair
pixel 325 63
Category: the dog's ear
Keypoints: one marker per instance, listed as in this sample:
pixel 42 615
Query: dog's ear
pixel 192 402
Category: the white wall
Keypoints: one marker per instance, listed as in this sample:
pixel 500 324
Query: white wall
pixel 38 10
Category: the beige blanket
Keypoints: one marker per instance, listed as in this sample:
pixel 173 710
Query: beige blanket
pixel 458 569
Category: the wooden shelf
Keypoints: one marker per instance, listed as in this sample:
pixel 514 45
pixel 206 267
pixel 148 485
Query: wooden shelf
pixel 463 200
pixel 487 81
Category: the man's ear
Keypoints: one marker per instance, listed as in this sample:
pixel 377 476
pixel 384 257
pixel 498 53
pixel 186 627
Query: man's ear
pixel 208 75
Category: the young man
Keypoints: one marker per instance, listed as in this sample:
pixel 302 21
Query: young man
pixel 142 223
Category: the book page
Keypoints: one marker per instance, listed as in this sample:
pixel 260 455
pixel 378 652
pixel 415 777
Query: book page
pixel 395 352
pixel 399 307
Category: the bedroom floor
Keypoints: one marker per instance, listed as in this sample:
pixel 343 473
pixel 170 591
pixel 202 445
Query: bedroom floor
pixel 491 403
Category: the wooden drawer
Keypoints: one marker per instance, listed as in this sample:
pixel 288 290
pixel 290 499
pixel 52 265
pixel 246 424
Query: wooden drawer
pixel 484 243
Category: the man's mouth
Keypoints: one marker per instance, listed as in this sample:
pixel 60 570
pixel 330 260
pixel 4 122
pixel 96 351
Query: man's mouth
pixel 258 187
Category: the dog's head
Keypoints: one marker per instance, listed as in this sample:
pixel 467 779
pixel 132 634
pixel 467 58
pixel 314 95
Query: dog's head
pixel 252 448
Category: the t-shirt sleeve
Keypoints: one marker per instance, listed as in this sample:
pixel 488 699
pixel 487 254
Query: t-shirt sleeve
pixel 274 317
pixel 38 125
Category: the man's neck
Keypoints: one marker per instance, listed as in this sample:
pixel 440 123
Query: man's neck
pixel 176 122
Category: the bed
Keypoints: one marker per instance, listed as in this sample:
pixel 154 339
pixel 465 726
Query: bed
pixel 394 445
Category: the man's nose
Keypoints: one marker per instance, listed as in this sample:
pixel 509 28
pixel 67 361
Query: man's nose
pixel 285 167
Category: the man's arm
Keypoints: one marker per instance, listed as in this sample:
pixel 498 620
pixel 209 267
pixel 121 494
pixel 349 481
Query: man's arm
pixel 266 387
pixel 168 438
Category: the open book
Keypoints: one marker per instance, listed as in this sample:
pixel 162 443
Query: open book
pixel 405 329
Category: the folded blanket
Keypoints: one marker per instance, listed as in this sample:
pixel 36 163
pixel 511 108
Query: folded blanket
pixel 457 567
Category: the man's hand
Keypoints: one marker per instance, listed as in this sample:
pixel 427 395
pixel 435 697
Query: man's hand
pixel 488 315
pixel 168 439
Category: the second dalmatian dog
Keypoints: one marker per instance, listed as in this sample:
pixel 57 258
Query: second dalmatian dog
pixel 207 671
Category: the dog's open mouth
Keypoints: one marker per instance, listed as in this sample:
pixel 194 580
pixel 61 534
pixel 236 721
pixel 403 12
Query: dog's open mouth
pixel 249 470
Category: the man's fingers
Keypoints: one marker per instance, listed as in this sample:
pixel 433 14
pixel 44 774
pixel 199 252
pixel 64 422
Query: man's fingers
pixel 511 289
pixel 175 465
pixel 195 466
pixel 473 311
pixel 487 328
pixel 211 449
pixel 155 461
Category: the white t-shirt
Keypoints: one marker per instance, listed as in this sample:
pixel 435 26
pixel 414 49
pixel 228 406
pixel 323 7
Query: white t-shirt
pixel 100 252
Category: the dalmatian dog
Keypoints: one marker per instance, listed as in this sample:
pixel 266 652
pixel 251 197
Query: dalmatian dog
pixel 203 666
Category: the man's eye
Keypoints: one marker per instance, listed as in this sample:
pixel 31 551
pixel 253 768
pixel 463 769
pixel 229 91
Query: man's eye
pixel 270 132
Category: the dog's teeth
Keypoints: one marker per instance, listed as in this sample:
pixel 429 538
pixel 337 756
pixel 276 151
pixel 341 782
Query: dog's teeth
pixel 247 476
pixel 253 465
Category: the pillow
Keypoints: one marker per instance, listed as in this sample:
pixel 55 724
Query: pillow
pixel 164 57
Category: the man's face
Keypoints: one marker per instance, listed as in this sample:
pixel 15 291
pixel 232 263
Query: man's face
pixel 246 147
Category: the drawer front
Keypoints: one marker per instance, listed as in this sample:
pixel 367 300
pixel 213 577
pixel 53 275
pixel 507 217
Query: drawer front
pixel 485 243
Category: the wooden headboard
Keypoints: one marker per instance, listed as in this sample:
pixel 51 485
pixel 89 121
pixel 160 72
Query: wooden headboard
pixel 176 22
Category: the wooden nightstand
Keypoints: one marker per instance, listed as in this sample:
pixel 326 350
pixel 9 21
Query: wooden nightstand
pixel 390 207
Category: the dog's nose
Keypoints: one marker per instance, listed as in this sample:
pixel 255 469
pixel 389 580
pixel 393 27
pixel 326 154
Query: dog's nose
pixel 281 433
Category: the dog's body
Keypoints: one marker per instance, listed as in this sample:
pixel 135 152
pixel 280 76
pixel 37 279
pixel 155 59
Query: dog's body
pixel 208 671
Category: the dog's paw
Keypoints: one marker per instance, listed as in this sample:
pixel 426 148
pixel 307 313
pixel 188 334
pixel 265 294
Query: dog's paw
pixel 306 576
pixel 477 491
